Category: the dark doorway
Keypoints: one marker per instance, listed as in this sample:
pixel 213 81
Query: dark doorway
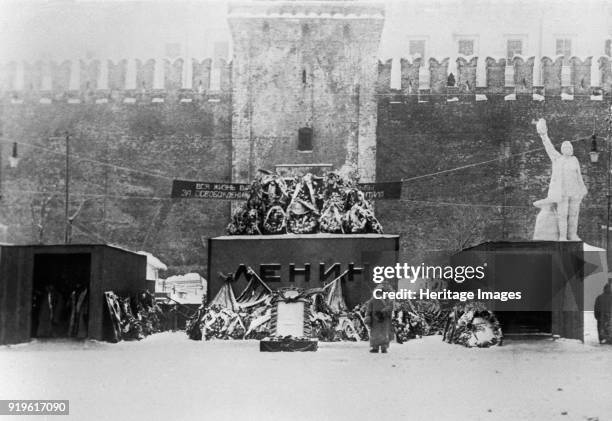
pixel 525 322
pixel 530 273
pixel 60 300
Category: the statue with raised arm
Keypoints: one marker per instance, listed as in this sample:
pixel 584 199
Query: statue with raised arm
pixel 565 191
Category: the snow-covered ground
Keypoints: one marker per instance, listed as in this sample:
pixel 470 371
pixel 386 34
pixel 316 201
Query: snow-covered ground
pixel 168 377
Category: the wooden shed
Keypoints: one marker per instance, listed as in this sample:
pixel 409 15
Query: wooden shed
pixel 28 272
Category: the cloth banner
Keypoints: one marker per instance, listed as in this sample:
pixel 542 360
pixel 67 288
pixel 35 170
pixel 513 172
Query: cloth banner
pixel 183 189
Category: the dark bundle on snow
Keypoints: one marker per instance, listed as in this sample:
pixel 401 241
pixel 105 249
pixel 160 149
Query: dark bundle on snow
pixel 133 317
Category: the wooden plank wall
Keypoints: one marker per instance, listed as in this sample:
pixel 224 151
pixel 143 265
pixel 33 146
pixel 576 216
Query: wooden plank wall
pixel 15 294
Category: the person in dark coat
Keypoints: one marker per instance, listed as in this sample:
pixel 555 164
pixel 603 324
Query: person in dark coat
pixel 378 318
pixel 603 315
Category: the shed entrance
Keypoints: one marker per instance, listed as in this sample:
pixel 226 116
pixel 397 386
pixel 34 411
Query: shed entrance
pixel 60 299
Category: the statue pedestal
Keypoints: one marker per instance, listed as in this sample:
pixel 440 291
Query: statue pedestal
pixel 548 274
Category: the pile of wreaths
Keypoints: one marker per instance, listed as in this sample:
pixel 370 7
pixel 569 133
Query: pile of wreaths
pixel 227 317
pixel 132 317
pixel 472 325
pixel 304 205
pixel 416 318
pixel 217 322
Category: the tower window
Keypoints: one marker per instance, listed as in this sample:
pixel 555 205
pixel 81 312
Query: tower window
pixel 513 47
pixel 266 28
pixel 305 29
pixel 466 47
pixel 564 47
pixel 305 139
pixel 466 44
pixel 304 77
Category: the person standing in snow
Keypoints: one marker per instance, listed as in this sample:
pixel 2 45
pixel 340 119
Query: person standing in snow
pixel 603 315
pixel 378 317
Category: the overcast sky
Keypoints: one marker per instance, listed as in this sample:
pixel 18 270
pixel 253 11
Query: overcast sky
pixel 61 29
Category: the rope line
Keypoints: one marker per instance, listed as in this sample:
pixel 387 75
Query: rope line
pixel 80 158
pixel 77 194
pixel 167 177
pixel 501 158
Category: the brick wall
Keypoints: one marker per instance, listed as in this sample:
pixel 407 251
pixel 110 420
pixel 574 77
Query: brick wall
pixel 127 202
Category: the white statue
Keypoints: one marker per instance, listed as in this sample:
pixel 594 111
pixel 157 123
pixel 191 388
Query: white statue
pixel 565 191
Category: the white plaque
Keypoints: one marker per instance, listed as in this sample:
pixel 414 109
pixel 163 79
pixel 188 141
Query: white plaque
pixel 290 319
